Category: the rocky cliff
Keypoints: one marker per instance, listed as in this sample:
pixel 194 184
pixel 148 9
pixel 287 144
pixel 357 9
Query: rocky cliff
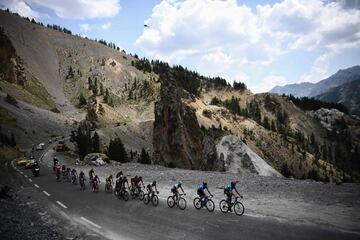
pixel 177 136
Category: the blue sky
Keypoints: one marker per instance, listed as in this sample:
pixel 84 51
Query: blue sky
pixel 263 43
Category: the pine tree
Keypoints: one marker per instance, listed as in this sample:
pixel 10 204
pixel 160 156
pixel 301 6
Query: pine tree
pixel 96 143
pixel 82 100
pixel 144 157
pixel 116 151
pixel 90 83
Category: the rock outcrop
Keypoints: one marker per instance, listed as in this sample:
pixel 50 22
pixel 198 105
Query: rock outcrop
pixel 11 66
pixel 239 158
pixel 329 118
pixel 177 135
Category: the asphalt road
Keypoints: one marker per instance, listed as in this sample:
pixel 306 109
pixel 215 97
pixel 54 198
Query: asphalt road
pixel 115 219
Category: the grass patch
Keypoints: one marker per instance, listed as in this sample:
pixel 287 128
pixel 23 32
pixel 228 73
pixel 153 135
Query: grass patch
pixel 7 118
pixel 33 93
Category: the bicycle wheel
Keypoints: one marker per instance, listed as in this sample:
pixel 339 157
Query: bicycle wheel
pixel 210 205
pixel 155 200
pixel 224 207
pixel 182 203
pixel 133 194
pixel 239 208
pixel 170 201
pixel 125 196
pixel 141 195
pixel 197 203
pixel 146 198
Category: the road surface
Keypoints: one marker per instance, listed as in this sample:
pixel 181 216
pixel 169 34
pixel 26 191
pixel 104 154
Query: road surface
pixel 115 219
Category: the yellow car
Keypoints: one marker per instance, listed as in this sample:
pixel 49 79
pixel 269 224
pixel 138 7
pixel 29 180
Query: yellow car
pixel 22 161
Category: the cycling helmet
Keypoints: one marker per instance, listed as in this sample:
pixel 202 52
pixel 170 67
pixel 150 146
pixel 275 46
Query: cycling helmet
pixel 140 178
pixel 233 183
pixel 111 175
pixel 154 183
pixel 179 183
pixel 205 184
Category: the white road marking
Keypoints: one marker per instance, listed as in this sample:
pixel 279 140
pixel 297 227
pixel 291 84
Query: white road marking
pixel 58 202
pixel 30 180
pixel 21 172
pixel 90 222
pixel 37 186
pixel 46 193
pixel 25 175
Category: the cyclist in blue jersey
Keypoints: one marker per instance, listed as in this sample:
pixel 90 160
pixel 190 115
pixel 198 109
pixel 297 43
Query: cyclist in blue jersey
pixel 201 191
pixel 228 191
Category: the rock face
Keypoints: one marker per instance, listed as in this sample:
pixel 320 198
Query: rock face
pixel 11 66
pixel 329 118
pixel 177 136
pixel 239 158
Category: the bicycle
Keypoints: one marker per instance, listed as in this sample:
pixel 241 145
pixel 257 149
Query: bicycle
pixel 82 183
pixel 238 207
pixel 123 193
pixel 207 202
pixel 153 198
pixel 108 187
pixel 137 192
pixel 66 177
pixel 178 200
pixel 74 179
pixel 95 186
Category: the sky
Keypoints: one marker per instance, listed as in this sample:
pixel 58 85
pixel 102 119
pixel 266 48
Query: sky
pixel 262 43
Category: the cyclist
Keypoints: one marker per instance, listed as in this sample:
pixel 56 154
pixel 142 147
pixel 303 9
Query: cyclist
pixel 135 182
pixel 175 189
pixel 96 181
pixel 150 189
pixel 91 174
pixel 122 183
pixel 228 191
pixel 63 169
pixel 119 174
pixel 109 180
pixel 68 171
pixel 58 171
pixel 73 174
pixel 82 177
pixel 56 162
pixel 201 191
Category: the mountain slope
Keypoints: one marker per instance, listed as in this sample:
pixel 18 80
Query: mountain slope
pixel 179 119
pixel 313 89
pixel 347 94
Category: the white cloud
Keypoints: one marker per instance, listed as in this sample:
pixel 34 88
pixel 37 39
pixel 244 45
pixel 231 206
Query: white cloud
pixel 319 70
pixel 20 7
pixel 105 26
pixel 85 27
pixel 80 9
pixel 268 83
pixel 227 35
